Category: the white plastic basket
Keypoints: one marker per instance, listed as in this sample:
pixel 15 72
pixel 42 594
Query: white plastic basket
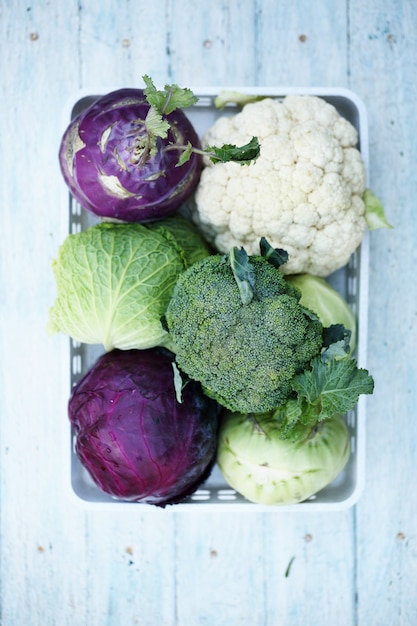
pixel 351 281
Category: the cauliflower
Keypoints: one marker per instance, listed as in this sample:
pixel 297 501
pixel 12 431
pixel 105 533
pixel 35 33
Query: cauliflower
pixel 303 193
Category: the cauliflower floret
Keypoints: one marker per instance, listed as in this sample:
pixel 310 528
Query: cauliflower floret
pixel 316 145
pixel 303 193
pixel 353 170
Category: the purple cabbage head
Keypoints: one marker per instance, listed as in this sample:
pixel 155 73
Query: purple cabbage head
pixel 135 439
pixel 102 160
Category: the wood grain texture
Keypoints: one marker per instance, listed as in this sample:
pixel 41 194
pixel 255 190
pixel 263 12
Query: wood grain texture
pixel 301 43
pixel 63 565
pixel 383 64
pixel 207 45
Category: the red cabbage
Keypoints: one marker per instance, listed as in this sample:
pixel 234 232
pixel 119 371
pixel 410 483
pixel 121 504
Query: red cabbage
pixel 99 160
pixel 135 439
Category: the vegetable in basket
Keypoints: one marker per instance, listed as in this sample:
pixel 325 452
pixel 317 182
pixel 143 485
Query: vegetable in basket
pixel 266 469
pixel 306 193
pixel 237 327
pixel 142 436
pixel 114 281
pixel 133 155
pixel 287 455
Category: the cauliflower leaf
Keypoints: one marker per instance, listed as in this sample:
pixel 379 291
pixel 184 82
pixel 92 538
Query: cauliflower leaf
pixel 374 211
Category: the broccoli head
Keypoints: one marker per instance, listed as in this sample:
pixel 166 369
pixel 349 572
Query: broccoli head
pixel 243 349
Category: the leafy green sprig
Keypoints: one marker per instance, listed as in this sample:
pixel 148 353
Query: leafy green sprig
pixel 156 125
pixel 330 386
pixel 244 155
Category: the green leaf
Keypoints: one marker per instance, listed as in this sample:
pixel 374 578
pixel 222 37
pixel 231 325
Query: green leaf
pixel 310 314
pixel 338 349
pixel 336 342
pixel 275 256
pixel 244 155
pixel 172 97
pixel 154 97
pixel 294 417
pixel 374 211
pixel 234 97
pixel 155 124
pixel 169 99
pixel 243 272
pixel 333 387
pixel 334 333
pixel 288 417
pixel 178 98
pixel 185 234
pixel 114 282
pixel 185 155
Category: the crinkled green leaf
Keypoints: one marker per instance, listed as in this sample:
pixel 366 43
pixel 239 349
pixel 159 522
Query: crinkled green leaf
pixel 338 349
pixel 336 342
pixel 170 98
pixel 114 282
pixel 288 417
pixel 155 124
pixel 187 236
pixel 244 155
pixel 333 387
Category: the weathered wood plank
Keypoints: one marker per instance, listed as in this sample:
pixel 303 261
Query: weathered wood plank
pixel 212 43
pixel 223 553
pixel 309 569
pixel 130 575
pixel 301 43
pixel 32 518
pixel 119 42
pixel 383 60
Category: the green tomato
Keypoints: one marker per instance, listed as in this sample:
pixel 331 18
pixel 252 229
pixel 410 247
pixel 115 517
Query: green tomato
pixel 319 296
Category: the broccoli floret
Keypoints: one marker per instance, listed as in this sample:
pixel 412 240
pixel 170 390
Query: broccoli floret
pixel 244 355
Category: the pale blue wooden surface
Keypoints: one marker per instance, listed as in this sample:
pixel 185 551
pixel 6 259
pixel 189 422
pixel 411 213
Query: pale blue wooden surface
pixel 64 566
